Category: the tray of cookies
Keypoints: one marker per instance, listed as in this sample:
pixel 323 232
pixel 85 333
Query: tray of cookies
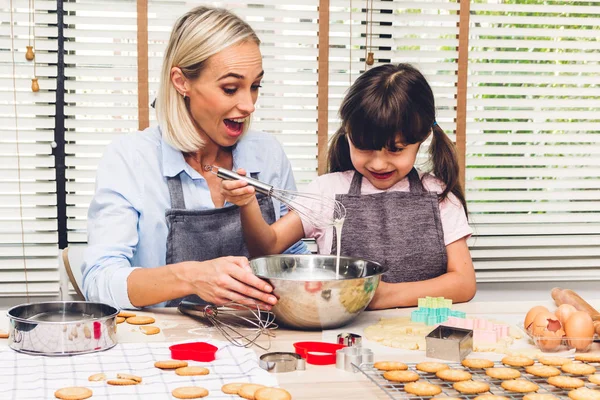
pixel 515 377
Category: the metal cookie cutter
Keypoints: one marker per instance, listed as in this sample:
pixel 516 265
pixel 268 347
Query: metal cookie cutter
pixel 282 362
pixel 344 358
pixel 349 339
pixel 448 343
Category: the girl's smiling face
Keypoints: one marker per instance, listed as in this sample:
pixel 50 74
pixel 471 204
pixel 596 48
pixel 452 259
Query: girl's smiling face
pixel 387 166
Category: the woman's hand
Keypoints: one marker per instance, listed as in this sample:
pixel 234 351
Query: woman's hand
pixel 379 299
pixel 238 192
pixel 227 279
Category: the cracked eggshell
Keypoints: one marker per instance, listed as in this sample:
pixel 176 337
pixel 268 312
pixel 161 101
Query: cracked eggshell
pixel 547 331
pixel 531 314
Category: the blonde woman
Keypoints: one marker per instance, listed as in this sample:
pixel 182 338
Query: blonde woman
pixel 159 229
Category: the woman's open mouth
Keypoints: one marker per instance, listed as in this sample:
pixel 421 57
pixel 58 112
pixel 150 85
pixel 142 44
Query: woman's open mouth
pixel 383 176
pixel 234 126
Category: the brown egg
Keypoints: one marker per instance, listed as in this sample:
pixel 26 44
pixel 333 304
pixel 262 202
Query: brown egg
pixel 580 330
pixel 547 331
pixel 563 312
pixel 531 314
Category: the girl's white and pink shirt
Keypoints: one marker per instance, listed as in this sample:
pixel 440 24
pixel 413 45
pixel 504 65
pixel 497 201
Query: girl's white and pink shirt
pixel 452 213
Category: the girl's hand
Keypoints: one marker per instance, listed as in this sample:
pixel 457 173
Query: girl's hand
pixel 227 279
pixel 238 192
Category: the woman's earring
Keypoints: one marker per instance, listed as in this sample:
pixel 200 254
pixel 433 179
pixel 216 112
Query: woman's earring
pixel 184 96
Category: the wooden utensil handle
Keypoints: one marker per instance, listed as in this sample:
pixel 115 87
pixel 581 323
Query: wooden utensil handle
pixel 567 296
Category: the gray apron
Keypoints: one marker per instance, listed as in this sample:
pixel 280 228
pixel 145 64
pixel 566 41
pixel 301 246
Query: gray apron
pixel 201 235
pixel 401 230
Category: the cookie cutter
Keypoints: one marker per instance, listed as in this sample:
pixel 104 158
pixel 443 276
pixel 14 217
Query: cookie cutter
pixel 449 343
pixel 196 351
pixel 349 339
pixel 317 353
pixel 349 358
pixel 278 362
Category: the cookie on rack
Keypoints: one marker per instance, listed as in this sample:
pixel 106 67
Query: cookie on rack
pixel 422 388
pixel 390 366
pixel 453 375
pixel 588 357
pixel 594 379
pixel 477 363
pixel 502 373
pixel 578 368
pixel 519 386
pixel 491 397
pixel 540 396
pixel 517 361
pixel 401 376
pixel 544 371
pixel 566 382
pixel 431 367
pixel 554 361
pixel 584 393
pixel 471 387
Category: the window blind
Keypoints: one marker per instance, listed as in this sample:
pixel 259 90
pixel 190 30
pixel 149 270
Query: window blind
pixel 533 124
pixel 28 229
pixel 423 34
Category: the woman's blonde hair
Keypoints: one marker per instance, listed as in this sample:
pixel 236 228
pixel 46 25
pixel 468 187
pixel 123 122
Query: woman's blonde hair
pixel 196 36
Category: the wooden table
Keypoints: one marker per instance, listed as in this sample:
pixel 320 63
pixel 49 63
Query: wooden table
pixel 318 382
pixel 328 382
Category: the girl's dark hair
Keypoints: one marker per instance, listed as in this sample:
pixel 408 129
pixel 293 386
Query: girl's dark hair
pixel 387 101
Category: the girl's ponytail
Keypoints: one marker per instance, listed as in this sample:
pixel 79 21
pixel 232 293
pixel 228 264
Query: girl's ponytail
pixel 442 154
pixel 339 153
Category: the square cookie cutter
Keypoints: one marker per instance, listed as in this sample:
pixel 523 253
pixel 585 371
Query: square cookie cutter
pixel 449 343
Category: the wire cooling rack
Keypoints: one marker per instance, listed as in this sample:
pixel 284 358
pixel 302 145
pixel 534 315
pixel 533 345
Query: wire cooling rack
pixel 395 390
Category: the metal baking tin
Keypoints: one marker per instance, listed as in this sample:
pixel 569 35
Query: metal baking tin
pixel 282 362
pixel 349 339
pixel 62 328
pixel 448 343
pixel 349 358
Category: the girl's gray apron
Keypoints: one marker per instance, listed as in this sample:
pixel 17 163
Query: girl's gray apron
pixel 401 230
pixel 200 235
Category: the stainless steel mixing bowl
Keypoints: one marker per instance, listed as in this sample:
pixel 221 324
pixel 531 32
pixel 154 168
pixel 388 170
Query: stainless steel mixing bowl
pixel 62 328
pixel 310 294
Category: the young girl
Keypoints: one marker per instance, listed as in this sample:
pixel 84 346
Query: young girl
pixel 414 223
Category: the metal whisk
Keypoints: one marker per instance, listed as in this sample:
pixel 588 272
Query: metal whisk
pixel 240 324
pixel 319 211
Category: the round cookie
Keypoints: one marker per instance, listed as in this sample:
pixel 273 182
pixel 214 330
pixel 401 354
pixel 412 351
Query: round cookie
pixel 390 366
pixel 149 330
pixel 453 375
pixel 189 392
pixel 565 382
pixel 422 388
pixel 120 320
pixel 247 391
pixel 140 320
pixel 170 364
pixel 232 388
pixel 471 387
pixel 584 393
pixel 431 367
pixel 517 361
pixel 271 393
pixel 554 361
pixel 545 371
pixel 578 368
pixel 502 373
pixel 73 393
pixel 477 363
pixel 192 371
pixel 135 378
pixel 586 357
pixel 490 397
pixel 121 382
pixel 125 314
pixel 401 376
pixel 97 377
pixel 539 396
pixel 594 379
pixel 519 386
pixel 446 398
